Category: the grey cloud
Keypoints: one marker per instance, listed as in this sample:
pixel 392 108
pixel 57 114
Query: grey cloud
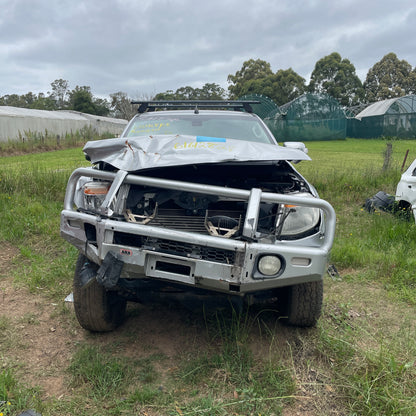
pixel 155 45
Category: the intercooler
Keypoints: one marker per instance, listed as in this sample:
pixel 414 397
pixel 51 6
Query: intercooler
pixel 215 222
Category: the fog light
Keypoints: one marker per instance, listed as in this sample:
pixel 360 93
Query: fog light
pixel 269 265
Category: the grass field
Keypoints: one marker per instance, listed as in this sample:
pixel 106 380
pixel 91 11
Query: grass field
pixel 359 360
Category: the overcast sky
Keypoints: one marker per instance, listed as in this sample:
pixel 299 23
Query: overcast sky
pixel 143 47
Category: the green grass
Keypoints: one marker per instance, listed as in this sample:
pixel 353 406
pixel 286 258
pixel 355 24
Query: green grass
pixel 379 377
pixel 381 245
pixel 14 396
pixel 229 378
pixel 36 142
pixel 99 371
pixel 358 361
pixel 32 188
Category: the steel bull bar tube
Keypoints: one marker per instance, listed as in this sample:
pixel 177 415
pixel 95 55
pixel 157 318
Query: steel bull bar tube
pixel 253 197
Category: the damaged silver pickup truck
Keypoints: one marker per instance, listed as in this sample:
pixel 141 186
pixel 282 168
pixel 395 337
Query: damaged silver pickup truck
pixel 198 197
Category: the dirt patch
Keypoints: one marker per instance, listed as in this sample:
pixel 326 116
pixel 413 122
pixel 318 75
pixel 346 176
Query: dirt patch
pixel 7 254
pixel 43 336
pixel 41 346
pixel 40 338
pixel 38 344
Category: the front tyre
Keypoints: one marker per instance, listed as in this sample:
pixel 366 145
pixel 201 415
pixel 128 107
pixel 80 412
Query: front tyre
pixel 96 309
pixel 301 305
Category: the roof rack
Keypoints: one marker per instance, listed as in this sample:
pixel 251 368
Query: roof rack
pixel 196 104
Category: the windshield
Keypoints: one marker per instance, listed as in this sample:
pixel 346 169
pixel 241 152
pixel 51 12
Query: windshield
pixel 208 125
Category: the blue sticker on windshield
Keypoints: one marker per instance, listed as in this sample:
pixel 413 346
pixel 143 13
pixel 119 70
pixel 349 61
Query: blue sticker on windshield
pixel 200 139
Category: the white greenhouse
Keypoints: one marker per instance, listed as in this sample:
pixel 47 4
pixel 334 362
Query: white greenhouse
pixel 17 123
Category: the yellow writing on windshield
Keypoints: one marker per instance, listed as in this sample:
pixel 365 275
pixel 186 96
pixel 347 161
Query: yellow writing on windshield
pixel 139 129
pixel 204 145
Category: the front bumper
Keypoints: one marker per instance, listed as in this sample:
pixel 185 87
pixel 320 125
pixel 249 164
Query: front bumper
pixel 215 263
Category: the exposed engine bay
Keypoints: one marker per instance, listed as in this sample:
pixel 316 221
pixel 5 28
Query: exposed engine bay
pixel 211 214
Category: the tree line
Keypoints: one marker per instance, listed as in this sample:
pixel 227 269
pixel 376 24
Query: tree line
pixel 332 75
pixel 60 98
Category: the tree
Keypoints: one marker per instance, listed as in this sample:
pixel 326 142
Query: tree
pixel 102 106
pixel 337 77
pixel 43 102
pixel 389 78
pixel 289 85
pixel 59 92
pixel 281 87
pixel 412 87
pixel 251 70
pixel 80 99
pixel 121 105
pixel 13 100
pixel 186 93
pixel 28 99
pixel 209 91
pixel 167 95
pixel 256 77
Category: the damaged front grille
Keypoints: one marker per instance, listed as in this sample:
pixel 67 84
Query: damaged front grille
pixel 176 248
pixel 222 223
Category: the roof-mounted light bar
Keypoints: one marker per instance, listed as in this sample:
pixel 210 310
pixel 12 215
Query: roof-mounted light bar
pixel 195 104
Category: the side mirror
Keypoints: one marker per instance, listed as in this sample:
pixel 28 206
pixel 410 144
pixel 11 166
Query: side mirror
pixel 296 145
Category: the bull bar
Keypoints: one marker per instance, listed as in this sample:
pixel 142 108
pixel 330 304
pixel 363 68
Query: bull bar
pixel 141 263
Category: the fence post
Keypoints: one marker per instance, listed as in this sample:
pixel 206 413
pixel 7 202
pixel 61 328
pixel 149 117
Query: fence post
pixel 404 160
pixel 387 156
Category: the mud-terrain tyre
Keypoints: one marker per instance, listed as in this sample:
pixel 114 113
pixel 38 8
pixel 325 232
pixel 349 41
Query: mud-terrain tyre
pixel 301 305
pixel 96 309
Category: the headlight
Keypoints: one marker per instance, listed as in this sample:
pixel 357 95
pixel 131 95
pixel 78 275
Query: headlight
pixel 269 265
pixel 296 220
pixel 94 194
